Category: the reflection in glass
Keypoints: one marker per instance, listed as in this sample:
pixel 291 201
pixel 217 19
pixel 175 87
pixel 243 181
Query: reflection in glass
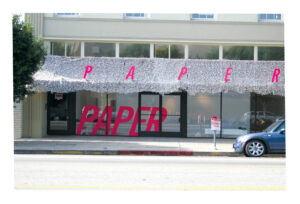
pixel 177 51
pixel 89 98
pixel 171 117
pixel 73 49
pixel 236 114
pixel 203 52
pixel 161 51
pixel 135 50
pixel 271 53
pixel 58 111
pixel 238 52
pixel 99 49
pixel 58 48
pixel 201 108
pixel 123 100
pixel 269 108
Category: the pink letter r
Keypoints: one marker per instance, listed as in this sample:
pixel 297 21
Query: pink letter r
pixel 276 74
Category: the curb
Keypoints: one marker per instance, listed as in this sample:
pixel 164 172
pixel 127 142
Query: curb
pixel 127 152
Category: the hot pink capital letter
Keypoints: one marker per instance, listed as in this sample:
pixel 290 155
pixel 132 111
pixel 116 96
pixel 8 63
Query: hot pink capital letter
pixel 107 111
pixel 227 74
pixel 135 121
pixel 84 117
pixel 276 74
pixel 182 72
pixel 131 73
pixel 88 69
pixel 119 118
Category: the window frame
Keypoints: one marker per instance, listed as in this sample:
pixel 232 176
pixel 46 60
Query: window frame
pixel 202 19
pixel 68 15
pixel 269 19
pixel 136 17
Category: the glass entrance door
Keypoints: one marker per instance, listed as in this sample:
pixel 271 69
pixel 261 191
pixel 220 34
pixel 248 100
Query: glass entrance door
pixel 61 113
pixel 149 114
pixel 162 115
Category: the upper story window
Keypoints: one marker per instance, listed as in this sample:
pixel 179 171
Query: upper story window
pixel 269 17
pixel 135 15
pixel 66 14
pixel 200 16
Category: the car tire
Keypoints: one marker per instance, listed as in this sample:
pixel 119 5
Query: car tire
pixel 255 148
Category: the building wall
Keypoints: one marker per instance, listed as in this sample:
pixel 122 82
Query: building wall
pixel 35 115
pixel 37 20
pixel 163 31
pixel 18 114
pixel 165 16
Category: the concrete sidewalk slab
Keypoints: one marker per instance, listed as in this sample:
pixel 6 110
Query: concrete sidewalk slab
pixel 114 145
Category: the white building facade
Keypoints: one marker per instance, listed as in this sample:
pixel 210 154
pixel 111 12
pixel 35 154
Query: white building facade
pixel 165 75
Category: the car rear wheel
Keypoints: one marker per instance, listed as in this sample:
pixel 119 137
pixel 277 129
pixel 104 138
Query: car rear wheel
pixel 255 148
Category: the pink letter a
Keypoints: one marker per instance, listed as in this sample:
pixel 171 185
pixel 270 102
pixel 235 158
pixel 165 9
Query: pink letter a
pixel 131 73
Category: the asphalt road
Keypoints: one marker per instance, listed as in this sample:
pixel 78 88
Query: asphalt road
pixel 148 172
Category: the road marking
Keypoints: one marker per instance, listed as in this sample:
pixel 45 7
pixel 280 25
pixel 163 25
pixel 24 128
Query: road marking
pixel 103 165
pixel 246 188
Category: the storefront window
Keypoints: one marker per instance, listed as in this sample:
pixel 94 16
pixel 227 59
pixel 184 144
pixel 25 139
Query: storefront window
pixel 99 50
pixel 236 114
pixel 201 108
pixel 86 99
pixel 203 52
pixel 177 51
pixel 58 48
pixel 238 52
pixel 135 50
pixel 171 123
pixel 73 49
pixel 271 53
pixel 161 51
pixel 268 108
pixel 124 114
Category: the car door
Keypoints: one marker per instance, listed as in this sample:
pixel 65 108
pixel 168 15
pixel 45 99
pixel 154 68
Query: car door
pixel 277 139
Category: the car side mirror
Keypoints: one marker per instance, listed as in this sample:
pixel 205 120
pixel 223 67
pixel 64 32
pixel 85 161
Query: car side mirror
pixel 282 131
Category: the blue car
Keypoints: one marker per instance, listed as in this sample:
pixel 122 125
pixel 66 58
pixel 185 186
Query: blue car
pixel 272 140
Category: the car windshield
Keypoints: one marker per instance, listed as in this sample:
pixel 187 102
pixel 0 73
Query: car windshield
pixel 273 126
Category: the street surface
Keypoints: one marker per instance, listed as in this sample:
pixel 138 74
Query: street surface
pixel 148 172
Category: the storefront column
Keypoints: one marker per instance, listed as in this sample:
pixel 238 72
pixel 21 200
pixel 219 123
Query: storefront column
pixel 151 50
pixel 117 49
pixel 255 53
pixel 186 51
pixel 220 52
pixel 82 49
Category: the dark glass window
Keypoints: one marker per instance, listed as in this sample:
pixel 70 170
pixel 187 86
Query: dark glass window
pixel 99 49
pixel 271 53
pixel 203 52
pixel 238 52
pixel 57 48
pixel 134 50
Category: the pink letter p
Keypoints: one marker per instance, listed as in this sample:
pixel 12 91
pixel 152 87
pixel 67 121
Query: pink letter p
pixel 88 69
pixel 182 72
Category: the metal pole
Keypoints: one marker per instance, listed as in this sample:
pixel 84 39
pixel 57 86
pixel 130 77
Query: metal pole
pixel 215 147
pixel 221 111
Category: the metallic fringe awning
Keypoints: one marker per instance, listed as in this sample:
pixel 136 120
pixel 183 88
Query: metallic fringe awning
pixel 65 74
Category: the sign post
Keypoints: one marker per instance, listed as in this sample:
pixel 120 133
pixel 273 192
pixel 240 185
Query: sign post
pixel 215 125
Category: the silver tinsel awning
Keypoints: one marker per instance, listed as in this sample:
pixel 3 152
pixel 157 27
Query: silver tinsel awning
pixel 65 74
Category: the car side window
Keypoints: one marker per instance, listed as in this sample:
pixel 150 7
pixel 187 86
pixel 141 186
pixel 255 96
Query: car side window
pixel 281 126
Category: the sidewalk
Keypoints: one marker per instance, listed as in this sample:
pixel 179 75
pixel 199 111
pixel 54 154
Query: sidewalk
pixel 113 145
